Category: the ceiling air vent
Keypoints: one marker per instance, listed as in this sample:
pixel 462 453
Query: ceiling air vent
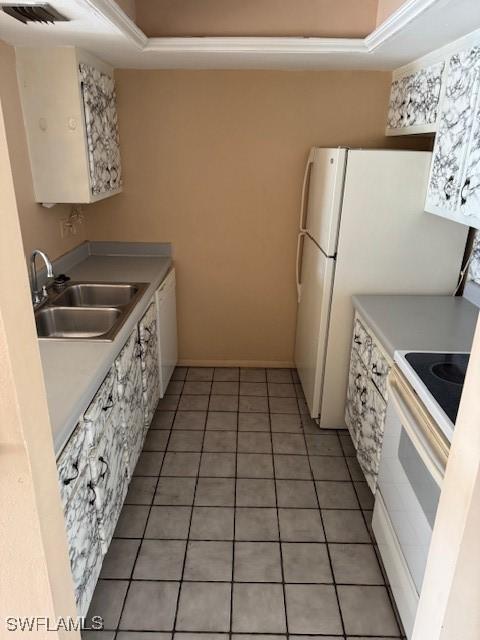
pixel 34 13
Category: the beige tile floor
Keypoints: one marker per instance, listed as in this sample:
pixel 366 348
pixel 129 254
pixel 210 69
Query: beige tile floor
pixel 243 518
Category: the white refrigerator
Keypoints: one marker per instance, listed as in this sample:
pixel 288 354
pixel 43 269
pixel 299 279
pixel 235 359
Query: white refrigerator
pixel 363 230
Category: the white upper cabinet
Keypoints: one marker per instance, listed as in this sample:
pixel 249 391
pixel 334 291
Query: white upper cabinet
pixel 454 183
pixel 68 102
pixel 414 100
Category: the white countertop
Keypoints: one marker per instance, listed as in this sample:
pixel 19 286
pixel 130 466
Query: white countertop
pixel 74 370
pixel 403 324
pixel 419 323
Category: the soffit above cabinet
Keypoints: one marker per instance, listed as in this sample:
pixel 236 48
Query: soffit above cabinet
pixel 257 18
pixel 100 26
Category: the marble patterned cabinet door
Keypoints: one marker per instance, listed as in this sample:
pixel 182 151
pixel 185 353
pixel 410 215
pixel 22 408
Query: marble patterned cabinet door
pixel 470 188
pixel 105 431
pixel 366 399
pixel 71 462
pixel 370 440
pixel 83 540
pixel 362 342
pixel 110 475
pixel 150 371
pixel 395 106
pixel 356 396
pixel 453 135
pixel 414 98
pixel 99 102
pixel 379 369
pixel 130 393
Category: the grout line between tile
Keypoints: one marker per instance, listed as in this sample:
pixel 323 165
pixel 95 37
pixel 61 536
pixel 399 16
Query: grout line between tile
pixel 325 534
pixel 180 586
pixel 282 567
pixel 198 476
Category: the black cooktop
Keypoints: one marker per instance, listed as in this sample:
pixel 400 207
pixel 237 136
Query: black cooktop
pixel 443 375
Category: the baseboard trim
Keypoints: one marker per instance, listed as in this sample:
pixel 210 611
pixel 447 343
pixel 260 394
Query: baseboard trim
pixel 263 364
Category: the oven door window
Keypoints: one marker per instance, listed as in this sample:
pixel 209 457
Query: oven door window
pixel 423 485
pixel 410 494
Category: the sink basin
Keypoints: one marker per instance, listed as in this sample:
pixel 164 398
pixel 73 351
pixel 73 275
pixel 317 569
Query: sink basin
pixel 66 323
pixel 88 310
pixel 97 295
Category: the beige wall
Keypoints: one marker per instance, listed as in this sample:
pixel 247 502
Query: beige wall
pixel 40 227
pixel 213 162
pixel 128 6
pixel 327 18
pixel 386 8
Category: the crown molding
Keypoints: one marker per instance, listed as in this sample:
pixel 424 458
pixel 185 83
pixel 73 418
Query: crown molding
pixel 102 27
pixel 256 45
pixel 397 21
pixel 110 12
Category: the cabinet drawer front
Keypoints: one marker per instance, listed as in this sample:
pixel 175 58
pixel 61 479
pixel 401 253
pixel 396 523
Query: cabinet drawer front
pixel 72 462
pixel 83 541
pixel 369 445
pixel 379 369
pixel 101 408
pixel 362 342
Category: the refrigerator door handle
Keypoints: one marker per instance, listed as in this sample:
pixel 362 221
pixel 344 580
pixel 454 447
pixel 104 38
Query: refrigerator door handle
pixel 297 264
pixel 304 190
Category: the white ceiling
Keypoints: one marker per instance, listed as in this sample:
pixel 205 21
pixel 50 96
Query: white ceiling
pixel 418 27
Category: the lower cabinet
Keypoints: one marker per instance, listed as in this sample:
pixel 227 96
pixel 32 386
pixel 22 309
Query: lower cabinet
pixel 98 461
pixel 149 359
pixel 366 399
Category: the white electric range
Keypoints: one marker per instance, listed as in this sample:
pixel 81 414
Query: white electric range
pixel 424 391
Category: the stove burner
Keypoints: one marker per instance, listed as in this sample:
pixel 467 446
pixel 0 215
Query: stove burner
pixel 449 372
pixel 443 375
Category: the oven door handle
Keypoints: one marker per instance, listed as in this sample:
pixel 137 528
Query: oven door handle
pixel 425 435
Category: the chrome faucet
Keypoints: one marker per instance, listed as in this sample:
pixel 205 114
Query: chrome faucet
pixel 39 296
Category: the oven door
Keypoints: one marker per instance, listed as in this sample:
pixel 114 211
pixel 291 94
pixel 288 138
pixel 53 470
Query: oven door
pixel 412 465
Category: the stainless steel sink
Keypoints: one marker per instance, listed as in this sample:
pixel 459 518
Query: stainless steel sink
pixel 83 294
pixel 88 311
pixel 79 322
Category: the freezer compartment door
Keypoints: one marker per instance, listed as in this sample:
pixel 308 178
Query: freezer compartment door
pixel 316 284
pixel 324 197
